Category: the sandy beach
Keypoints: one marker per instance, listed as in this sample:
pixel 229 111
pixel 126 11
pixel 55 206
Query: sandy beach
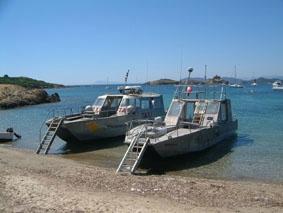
pixel 36 183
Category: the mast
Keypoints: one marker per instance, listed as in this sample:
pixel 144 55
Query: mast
pixel 205 70
pixel 235 73
pixel 126 77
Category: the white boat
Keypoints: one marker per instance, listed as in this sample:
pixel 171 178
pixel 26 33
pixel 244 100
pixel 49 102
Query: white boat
pixel 108 116
pixel 254 83
pixel 195 121
pixel 8 135
pixel 277 85
pixel 236 84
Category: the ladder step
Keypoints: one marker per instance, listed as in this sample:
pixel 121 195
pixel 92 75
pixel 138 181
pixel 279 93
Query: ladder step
pixel 49 136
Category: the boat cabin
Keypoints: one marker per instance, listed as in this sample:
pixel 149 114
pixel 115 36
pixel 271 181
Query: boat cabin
pixel 195 113
pixel 107 105
pixel 132 100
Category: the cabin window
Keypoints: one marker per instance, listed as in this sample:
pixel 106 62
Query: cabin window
pixel 190 108
pixel 99 102
pixel 116 102
pixel 112 102
pixel 223 112
pixel 157 103
pixel 212 108
pixel 130 102
pixel 175 109
pixel 145 104
pixel 200 107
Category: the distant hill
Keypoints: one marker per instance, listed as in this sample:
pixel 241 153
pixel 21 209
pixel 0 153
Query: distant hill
pixel 27 82
pixel 262 80
pixel 162 82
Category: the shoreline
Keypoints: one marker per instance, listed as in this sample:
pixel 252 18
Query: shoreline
pixel 30 182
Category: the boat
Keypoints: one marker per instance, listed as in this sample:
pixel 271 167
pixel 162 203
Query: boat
pixel 108 116
pixel 254 83
pixel 195 121
pixel 8 135
pixel 277 85
pixel 236 84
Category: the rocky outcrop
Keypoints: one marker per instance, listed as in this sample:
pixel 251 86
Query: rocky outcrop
pixel 12 96
pixel 217 80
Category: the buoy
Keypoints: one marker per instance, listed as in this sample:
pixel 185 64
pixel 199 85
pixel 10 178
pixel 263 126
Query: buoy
pixel 189 89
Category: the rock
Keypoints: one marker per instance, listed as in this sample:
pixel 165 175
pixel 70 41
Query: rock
pixel 12 96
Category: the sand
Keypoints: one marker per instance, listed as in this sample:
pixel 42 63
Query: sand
pixel 37 183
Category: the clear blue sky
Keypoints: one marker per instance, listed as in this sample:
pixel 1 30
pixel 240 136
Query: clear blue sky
pixel 80 42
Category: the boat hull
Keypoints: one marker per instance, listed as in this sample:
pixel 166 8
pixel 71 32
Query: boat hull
pixel 181 143
pixel 277 88
pixel 87 130
pixel 6 136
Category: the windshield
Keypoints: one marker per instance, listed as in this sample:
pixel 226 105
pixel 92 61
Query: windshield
pixel 99 102
pixel 112 102
pixel 175 109
pixel 212 108
pixel 130 102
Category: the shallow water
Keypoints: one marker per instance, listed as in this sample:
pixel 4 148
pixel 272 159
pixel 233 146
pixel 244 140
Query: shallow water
pixel 256 153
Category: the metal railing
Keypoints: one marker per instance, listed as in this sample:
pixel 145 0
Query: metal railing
pixel 215 92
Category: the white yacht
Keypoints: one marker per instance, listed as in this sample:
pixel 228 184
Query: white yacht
pixel 277 85
pixel 236 84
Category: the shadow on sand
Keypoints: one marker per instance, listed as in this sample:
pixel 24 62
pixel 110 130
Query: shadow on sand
pixel 157 165
pixel 80 147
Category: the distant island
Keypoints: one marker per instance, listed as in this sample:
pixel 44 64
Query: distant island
pixel 212 81
pixel 28 82
pixel 162 82
pixel 22 91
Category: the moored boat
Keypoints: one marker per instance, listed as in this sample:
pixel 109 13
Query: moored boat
pixel 277 85
pixel 107 117
pixel 8 135
pixel 194 122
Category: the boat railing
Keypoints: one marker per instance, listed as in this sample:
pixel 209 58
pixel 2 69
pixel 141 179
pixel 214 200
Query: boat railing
pixel 59 113
pixel 216 92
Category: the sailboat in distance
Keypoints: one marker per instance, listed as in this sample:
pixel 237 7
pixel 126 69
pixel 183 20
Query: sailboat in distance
pixel 236 84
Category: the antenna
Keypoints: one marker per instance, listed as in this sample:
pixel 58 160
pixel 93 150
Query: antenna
pixel 181 64
pixel 147 71
pixel 126 77
pixel 190 70
pixel 205 70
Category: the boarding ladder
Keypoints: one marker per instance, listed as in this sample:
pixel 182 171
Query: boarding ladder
pixel 134 153
pixel 49 136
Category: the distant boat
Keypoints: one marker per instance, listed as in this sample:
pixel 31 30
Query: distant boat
pixel 277 85
pixel 254 83
pixel 107 84
pixel 236 84
pixel 8 135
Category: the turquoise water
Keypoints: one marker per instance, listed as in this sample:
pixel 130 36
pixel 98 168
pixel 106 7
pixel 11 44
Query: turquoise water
pixel 256 153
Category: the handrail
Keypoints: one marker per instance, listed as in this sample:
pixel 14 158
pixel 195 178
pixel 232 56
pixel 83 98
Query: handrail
pixel 134 140
pixel 61 112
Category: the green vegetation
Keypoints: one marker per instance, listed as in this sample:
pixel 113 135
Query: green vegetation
pixel 27 82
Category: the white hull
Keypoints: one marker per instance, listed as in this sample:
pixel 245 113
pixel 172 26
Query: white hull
pixel 183 141
pixel 277 88
pixel 97 128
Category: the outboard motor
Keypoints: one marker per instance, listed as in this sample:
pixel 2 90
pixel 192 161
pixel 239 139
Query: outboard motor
pixel 11 130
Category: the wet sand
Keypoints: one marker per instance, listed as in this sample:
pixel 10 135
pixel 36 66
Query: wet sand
pixel 33 183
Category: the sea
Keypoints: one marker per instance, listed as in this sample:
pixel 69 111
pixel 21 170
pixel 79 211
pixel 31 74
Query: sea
pixel 256 153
